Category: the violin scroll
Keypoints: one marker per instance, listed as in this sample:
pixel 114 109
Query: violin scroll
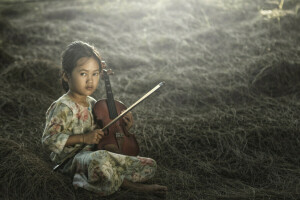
pixel 104 70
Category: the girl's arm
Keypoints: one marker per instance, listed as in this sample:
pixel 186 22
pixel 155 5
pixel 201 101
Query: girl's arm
pixel 90 138
pixel 58 118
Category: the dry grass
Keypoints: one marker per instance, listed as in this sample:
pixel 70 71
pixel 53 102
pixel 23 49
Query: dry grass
pixel 225 125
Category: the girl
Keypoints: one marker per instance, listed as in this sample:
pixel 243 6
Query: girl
pixel 69 123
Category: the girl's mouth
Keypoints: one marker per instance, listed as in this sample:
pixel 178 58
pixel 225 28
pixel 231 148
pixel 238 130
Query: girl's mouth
pixel 89 88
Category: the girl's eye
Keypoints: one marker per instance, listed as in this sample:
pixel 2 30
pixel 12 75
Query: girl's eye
pixel 82 74
pixel 96 74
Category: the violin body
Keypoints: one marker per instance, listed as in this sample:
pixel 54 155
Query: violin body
pixel 127 144
pixel 116 138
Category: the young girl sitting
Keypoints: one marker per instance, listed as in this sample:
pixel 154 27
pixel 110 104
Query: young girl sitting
pixel 69 124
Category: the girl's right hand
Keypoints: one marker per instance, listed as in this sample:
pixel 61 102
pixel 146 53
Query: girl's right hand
pixel 93 137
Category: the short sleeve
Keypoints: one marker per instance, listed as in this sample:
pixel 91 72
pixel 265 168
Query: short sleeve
pixel 58 120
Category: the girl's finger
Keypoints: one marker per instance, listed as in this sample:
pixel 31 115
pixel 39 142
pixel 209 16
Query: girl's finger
pixel 99 134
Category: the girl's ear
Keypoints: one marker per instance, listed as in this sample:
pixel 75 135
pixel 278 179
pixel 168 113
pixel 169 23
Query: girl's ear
pixel 65 77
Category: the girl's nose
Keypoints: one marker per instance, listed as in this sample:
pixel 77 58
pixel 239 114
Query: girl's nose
pixel 89 79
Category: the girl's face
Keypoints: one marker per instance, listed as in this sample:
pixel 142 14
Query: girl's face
pixel 84 77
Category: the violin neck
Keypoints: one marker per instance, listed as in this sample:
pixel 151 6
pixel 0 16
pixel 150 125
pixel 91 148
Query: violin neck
pixel 110 98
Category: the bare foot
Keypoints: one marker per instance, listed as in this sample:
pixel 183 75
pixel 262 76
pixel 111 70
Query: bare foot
pixel 156 189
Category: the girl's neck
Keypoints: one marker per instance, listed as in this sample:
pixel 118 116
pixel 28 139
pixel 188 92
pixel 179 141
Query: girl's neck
pixel 80 99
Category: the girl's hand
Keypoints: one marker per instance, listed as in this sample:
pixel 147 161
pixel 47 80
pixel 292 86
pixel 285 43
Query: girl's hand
pixel 128 119
pixel 93 137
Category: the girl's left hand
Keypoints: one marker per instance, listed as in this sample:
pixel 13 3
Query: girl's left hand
pixel 128 119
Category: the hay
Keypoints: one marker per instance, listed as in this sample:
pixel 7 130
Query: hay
pixel 280 79
pixel 224 126
pixel 5 58
pixel 13 11
pixel 5 25
pixel 25 176
pixel 41 75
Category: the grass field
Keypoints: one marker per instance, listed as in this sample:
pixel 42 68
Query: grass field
pixel 226 125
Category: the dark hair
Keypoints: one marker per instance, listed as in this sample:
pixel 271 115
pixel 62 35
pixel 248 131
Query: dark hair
pixel 73 53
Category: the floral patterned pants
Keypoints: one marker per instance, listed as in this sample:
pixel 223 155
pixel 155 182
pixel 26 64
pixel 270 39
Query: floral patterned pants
pixel 103 172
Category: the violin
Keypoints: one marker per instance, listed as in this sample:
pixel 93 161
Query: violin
pixel 116 138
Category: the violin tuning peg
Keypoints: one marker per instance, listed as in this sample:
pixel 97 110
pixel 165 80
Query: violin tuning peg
pixel 103 64
pixel 110 72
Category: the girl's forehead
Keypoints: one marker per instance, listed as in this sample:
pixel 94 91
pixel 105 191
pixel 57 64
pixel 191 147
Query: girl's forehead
pixel 82 61
pixel 87 63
